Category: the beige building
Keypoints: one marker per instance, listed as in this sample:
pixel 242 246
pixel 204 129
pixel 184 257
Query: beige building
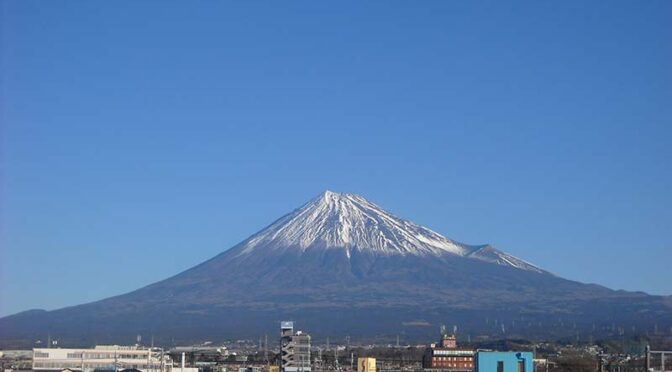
pixel 101 358
pixel 366 364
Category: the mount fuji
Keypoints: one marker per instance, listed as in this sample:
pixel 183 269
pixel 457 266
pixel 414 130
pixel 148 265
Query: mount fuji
pixel 341 265
pixel 350 224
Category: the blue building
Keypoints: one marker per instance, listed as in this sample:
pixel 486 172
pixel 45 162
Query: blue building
pixel 504 361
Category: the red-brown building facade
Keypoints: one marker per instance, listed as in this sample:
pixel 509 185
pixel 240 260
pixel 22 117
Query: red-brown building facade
pixel 446 356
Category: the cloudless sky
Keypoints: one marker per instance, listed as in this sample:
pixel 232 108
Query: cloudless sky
pixel 140 138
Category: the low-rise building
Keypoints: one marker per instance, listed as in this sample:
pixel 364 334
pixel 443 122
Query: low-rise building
pixel 100 358
pixel 366 364
pixel 504 361
pixel 446 356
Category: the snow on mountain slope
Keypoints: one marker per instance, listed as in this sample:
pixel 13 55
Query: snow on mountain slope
pixel 350 222
pixel 490 254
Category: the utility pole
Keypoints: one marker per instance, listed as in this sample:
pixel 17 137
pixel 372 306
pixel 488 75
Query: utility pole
pixel 648 357
pixel 318 362
pixel 150 365
pixel 266 348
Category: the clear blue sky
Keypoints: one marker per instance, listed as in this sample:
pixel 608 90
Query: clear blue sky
pixel 140 138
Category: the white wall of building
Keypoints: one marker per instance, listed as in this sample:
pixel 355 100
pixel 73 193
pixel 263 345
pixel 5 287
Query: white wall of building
pixel 100 358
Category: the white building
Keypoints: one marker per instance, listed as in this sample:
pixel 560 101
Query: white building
pixel 101 358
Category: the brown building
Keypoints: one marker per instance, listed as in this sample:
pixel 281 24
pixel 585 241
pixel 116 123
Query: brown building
pixel 446 356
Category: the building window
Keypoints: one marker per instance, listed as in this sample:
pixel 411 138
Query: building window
pixel 39 354
pixel 500 366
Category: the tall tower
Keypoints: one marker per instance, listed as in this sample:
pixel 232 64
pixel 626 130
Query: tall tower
pixel 294 349
pixel 286 346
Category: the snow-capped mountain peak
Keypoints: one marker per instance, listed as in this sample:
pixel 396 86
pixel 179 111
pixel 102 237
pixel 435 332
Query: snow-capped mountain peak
pixel 349 222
